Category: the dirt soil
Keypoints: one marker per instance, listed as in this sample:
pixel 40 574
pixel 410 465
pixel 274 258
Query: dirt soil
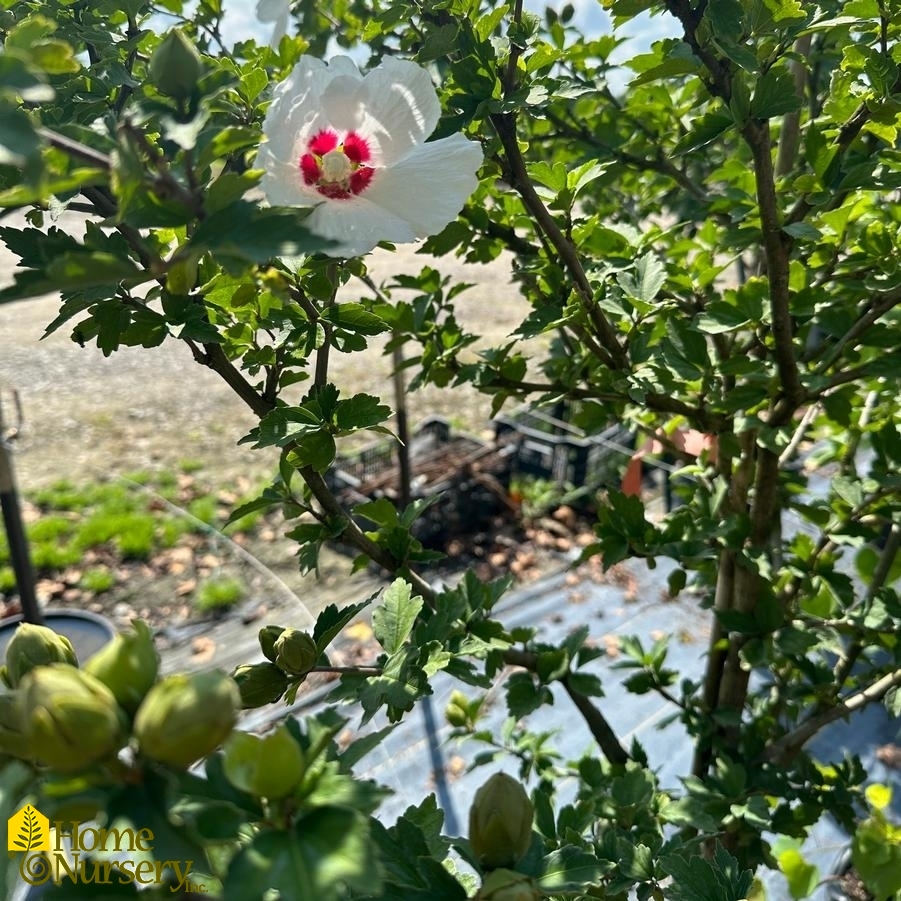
pixel 89 417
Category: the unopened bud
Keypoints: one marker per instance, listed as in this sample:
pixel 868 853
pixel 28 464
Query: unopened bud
pixel 506 885
pixel 260 684
pixel 127 665
pixel 457 710
pixel 268 636
pixel 500 822
pixel 33 646
pixel 269 767
pixel 13 740
pixel 186 717
pixel 296 652
pixel 175 66
pixel 181 276
pixel 70 719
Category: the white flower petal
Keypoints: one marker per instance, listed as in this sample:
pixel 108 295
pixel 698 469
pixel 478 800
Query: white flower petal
pixel 280 30
pixel 282 182
pixel 357 225
pixel 429 187
pixel 296 108
pixel 343 102
pixel 402 108
pixel 272 10
pixel 343 65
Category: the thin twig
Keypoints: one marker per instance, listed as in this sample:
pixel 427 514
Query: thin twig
pixel 611 354
pixel 783 751
pixel 600 728
pixel 75 148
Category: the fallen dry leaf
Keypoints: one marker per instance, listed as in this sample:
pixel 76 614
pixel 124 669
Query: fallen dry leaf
pixel 203 648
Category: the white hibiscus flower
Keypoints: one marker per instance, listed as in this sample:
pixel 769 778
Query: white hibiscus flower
pixel 354 147
pixel 275 11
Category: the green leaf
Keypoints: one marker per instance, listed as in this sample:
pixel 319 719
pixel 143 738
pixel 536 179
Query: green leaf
pixel 316 449
pixel 327 851
pixel 698 879
pixel 249 232
pixel 72 271
pixel 360 747
pixel 571 869
pixel 524 696
pixel 227 188
pixel 785 9
pixel 19 142
pixel 775 95
pixel 647 280
pixel 23 193
pixel 380 511
pixel 726 18
pixel 20 79
pixel 362 411
pixel 393 619
pixel 440 42
pixel 229 140
pixel 803 231
pixel 802 877
pixel 54 57
pixel 552 665
pixel 721 317
pixel 703 130
pixel 331 621
pixel 637 862
pixel 354 317
pixel 635 788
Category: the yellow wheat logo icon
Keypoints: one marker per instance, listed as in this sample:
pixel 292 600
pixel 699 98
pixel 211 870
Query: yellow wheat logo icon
pixel 28 830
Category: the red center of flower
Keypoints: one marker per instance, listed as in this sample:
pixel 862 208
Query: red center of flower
pixel 337 169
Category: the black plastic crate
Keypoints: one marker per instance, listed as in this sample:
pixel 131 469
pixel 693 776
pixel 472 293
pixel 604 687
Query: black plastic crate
pixel 548 447
pixel 468 475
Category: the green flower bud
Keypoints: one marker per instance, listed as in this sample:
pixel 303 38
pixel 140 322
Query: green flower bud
pixel 186 717
pixel 268 636
pixel 12 726
pixel 296 652
pixel 269 767
pixel 127 665
pixel 181 277
pixel 33 646
pixel 175 66
pixel 506 885
pixel 500 822
pixel 457 710
pixel 71 720
pixel 260 684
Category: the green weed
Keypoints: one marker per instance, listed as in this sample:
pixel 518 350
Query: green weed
pixel 49 555
pixel 51 528
pixel 97 580
pixel 218 594
pixel 7 579
pixel 204 508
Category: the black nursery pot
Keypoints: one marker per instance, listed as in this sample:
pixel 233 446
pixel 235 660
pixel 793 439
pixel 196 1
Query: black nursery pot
pixel 87 631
